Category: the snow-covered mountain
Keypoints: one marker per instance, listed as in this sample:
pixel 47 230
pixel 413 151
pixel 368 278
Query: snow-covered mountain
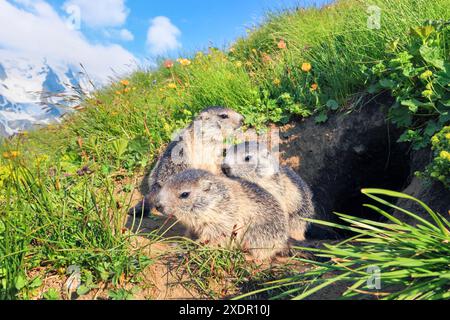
pixel 32 93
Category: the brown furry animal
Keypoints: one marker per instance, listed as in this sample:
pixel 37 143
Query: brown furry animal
pixel 199 146
pixel 224 212
pixel 252 161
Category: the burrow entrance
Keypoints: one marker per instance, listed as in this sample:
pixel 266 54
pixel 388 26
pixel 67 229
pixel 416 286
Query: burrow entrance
pixel 346 154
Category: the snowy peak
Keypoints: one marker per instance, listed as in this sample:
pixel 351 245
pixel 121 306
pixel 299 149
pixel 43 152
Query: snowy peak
pixel 32 93
pixel 2 73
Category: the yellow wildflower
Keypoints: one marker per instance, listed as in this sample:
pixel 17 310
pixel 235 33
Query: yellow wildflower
pixel 172 85
pixel 41 159
pixel 435 140
pixel 427 74
pixel 447 136
pixel 184 62
pixel 276 82
pixel 306 67
pixel 239 64
pixel 118 92
pixel 445 155
pixel 427 93
pixel 11 154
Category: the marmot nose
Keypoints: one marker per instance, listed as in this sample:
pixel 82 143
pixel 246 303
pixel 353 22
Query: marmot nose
pixel 226 169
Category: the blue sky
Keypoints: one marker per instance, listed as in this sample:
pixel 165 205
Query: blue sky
pixel 200 21
pixel 109 34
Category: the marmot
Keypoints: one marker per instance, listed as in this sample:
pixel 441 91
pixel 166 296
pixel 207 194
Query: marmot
pixel 199 146
pixel 223 211
pixel 252 161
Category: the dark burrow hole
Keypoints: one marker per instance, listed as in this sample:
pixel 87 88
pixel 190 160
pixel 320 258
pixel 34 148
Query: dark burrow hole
pixel 376 170
pixel 381 166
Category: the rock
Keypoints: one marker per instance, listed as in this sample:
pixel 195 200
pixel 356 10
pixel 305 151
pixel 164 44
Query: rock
pixel 433 194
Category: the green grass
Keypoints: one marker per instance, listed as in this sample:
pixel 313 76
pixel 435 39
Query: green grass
pixel 336 41
pixel 64 190
pixel 411 261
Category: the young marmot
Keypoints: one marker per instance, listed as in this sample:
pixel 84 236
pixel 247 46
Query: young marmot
pixel 199 146
pixel 224 212
pixel 252 161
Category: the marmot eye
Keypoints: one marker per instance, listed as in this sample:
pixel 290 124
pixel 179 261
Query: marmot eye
pixel 184 195
pixel 224 116
pixel 248 158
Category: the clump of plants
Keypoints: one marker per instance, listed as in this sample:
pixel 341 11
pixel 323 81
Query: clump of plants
pixel 439 168
pixel 417 74
pixel 384 260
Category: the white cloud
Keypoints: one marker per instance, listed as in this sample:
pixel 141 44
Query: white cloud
pixel 126 35
pixel 100 13
pixel 35 31
pixel 162 36
pixel 120 34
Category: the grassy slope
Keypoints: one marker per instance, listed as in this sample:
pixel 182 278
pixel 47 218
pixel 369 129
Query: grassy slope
pixel 55 213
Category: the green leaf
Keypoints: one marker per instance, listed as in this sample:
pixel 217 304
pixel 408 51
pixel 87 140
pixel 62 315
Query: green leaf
pixel 432 56
pixel 332 104
pixel 35 283
pixel 374 88
pixel 51 294
pixel 444 118
pixel 321 118
pixel 106 169
pixel 401 116
pixel 423 32
pixel 392 46
pixel 21 282
pixel 82 290
pixel 387 83
pixel 120 146
pixel 412 104
pixel 431 128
